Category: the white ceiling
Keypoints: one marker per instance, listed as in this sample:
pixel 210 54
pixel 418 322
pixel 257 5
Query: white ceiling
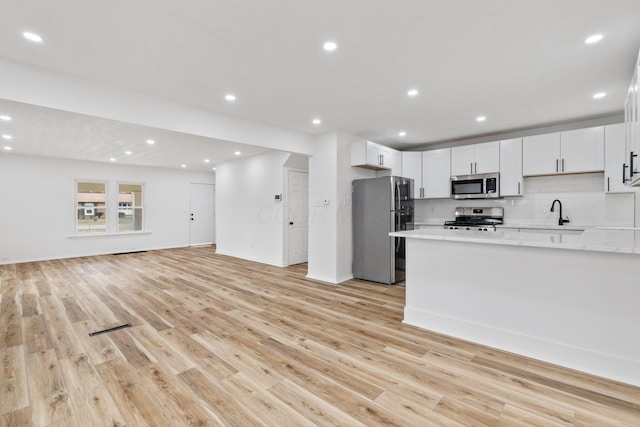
pixel 55 133
pixel 520 63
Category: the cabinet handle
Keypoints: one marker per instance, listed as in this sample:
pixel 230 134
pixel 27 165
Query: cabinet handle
pixel 557 165
pixel 562 165
pixel 631 170
pixel 608 185
pixel 624 174
pixel 471 167
pixel 421 192
pixel 475 164
pixel 518 187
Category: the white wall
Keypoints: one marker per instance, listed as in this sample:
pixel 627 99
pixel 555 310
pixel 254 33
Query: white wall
pixel 37 215
pixel 322 218
pixel 249 221
pixel 582 196
pixel 330 176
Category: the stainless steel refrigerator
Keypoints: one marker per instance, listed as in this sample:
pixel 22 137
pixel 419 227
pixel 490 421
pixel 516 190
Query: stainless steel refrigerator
pixel 380 206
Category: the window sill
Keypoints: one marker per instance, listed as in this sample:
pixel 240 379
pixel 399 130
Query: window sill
pixel 131 233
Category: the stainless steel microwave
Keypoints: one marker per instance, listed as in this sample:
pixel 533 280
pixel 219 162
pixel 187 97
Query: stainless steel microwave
pixel 477 186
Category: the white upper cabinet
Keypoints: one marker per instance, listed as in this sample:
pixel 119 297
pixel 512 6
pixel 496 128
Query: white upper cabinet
pixel 541 154
pixel 368 154
pixel 462 160
pixel 511 182
pixel 436 173
pixel 632 128
pixel 615 169
pixel 476 158
pixel 391 159
pixel 575 151
pixel 412 168
pixel 582 150
pixel 487 157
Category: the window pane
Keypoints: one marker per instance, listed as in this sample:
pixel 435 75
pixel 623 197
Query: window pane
pixel 129 207
pixel 91 208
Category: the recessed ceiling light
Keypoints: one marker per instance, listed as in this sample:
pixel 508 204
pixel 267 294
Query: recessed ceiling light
pixel 316 121
pixel 230 97
pixel 330 46
pixel 402 133
pixel 5 136
pixel 128 153
pixel 5 118
pixel 412 92
pixel 599 95
pixel 593 39
pixel 150 141
pixel 213 168
pixel 481 118
pixel 183 165
pixel 7 148
pixel 207 160
pixel 112 159
pixel 237 153
pixel 32 37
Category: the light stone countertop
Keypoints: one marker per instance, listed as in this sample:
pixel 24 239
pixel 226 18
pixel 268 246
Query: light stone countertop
pixel 591 239
pixel 529 226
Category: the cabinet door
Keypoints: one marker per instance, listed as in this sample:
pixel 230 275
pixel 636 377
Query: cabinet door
pixel 373 154
pixel 462 160
pixel 614 158
pixel 486 157
pixel 394 161
pixel 412 168
pixel 541 154
pixel 436 173
pixel 582 150
pixel 511 167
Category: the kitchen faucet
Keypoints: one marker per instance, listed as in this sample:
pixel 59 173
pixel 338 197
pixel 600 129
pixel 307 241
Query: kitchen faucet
pixel 561 221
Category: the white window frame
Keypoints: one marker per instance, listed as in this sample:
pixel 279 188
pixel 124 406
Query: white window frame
pixel 76 202
pixel 133 206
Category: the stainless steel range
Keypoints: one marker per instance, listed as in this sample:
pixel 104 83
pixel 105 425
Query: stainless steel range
pixel 479 219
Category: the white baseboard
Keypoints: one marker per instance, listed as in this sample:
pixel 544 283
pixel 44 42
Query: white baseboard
pixel 250 258
pixel 99 253
pixel 604 365
pixel 322 278
pixel 331 280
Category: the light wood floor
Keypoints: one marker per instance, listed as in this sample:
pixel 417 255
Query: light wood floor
pixel 224 342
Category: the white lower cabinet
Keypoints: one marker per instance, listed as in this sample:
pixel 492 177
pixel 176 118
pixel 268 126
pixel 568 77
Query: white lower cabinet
pixel 511 182
pixel 436 173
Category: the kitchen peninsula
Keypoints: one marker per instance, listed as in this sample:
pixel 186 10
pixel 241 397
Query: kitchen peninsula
pixel 568 299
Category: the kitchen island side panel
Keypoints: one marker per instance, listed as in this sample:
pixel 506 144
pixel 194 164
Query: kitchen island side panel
pixel 578 309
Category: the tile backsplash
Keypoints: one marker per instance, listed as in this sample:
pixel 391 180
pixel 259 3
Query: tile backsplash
pixel 582 196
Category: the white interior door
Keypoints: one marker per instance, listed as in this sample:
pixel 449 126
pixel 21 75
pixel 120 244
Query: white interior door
pixel 202 216
pixel 297 201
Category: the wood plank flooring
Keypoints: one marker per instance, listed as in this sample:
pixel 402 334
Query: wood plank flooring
pixel 220 341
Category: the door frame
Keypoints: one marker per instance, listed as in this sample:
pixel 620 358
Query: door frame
pixel 285 213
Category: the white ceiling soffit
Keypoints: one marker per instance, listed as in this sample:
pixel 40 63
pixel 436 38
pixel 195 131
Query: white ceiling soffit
pixel 49 132
pixel 518 63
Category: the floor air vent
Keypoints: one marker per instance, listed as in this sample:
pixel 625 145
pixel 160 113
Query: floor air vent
pixel 115 328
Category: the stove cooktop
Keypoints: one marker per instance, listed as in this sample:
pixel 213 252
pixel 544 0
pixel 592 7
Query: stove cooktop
pixel 478 219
